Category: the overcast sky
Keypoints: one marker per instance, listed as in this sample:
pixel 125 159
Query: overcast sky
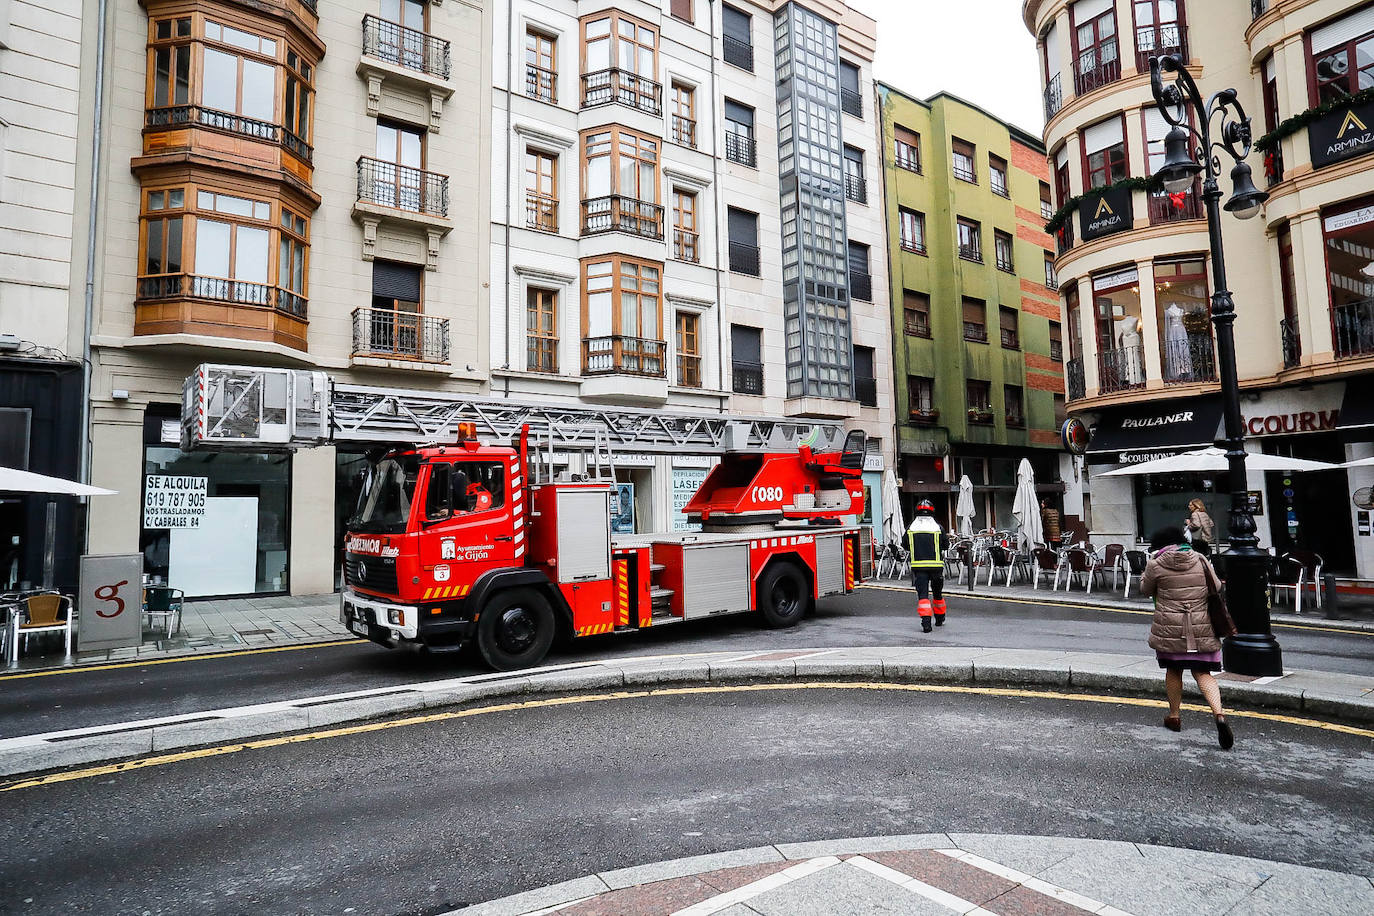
pixel 978 50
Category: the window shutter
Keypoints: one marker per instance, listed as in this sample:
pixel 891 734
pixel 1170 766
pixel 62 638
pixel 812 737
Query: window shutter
pixel 746 343
pixel 1087 10
pixel 396 281
pixel 1052 51
pixel 743 226
pixel 1102 135
pixel 1343 30
pixel 736 24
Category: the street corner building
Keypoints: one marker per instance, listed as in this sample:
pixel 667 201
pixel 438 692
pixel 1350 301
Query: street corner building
pixel 1134 273
pixel 977 335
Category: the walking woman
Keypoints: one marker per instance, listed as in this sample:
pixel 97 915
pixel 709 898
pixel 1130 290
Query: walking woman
pixel 1201 529
pixel 1180 579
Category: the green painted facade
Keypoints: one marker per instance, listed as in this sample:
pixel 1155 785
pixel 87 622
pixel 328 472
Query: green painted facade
pixel 947 278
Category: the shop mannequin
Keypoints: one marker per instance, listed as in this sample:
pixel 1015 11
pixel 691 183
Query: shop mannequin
pixel 1178 361
pixel 1132 360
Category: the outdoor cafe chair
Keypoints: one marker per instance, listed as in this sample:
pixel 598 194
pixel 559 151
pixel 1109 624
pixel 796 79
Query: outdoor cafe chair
pixel 163 604
pixel 1289 574
pixel 1134 568
pixel 45 613
pixel 968 561
pixel 999 559
pixel 1044 561
pixel 1112 562
pixel 1082 563
pixel 1312 571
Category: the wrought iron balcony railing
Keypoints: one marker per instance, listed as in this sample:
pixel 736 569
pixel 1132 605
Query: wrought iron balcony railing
pixel 218 289
pixel 855 189
pixel 746 377
pixel 1073 378
pixel 541 354
pixel 184 115
pixel 975 332
pixel 1291 340
pixel 541 83
pixel 866 391
pixel 401 187
pixel 621 355
pixel 403 47
pixel 1096 67
pixel 923 416
pixel 686 246
pixel 851 102
pixel 1191 358
pixel 1063 237
pixel 1121 370
pixel 688 371
pixel 744 258
pixel 685 131
pixel 1011 340
pixel 541 212
pixel 741 149
pixel 1159 39
pixel 965 172
pixel 738 53
pixel 621 87
pixel 622 214
pixel 1057 350
pixel 860 286
pixel 1352 328
pixel 1175 208
pixel 394 334
pixel 915 246
pixel 917 325
pixel 1054 96
pixel 971 252
pixel 1004 262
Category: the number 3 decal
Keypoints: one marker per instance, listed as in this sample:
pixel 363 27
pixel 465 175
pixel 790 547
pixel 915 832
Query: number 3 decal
pixel 111 593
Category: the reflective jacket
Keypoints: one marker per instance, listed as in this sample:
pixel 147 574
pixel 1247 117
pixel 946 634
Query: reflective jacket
pixel 926 542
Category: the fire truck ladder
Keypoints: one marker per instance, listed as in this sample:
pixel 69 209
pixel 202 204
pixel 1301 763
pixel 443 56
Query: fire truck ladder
pixel 268 408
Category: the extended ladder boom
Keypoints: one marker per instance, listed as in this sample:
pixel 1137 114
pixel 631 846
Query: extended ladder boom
pixel 261 408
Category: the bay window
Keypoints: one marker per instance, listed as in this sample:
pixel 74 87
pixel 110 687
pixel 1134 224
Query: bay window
pixel 620 63
pixel 622 316
pixel 1158 30
pixel 620 183
pixel 1098 59
pixel 1104 153
pixel 1342 56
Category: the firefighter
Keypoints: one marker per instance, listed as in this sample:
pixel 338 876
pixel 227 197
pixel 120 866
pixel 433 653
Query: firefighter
pixel 926 542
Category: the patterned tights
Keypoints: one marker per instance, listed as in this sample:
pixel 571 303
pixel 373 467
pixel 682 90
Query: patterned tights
pixel 1173 685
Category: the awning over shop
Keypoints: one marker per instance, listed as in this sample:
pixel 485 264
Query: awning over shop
pixel 1143 432
pixel 1356 423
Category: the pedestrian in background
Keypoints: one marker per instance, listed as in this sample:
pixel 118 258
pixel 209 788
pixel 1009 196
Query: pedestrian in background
pixel 926 543
pixel 1049 522
pixel 1201 529
pixel 1180 580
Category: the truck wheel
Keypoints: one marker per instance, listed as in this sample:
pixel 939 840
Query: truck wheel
pixel 515 629
pixel 783 596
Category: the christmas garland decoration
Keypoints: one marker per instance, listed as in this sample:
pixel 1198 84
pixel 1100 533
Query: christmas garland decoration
pixel 1287 128
pixel 1061 216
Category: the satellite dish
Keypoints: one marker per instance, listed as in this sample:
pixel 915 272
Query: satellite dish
pixel 1363 498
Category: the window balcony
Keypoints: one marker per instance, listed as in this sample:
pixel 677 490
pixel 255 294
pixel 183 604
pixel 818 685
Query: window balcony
pixel 1073 379
pixel 541 83
pixel 913 245
pixel 746 377
pixel 965 173
pixel 621 87
pixel 622 214
pixel 741 149
pixel 1189 359
pixel 738 53
pixel 971 253
pixel 224 122
pixel 1063 237
pixel 393 334
pixel 688 371
pixel 684 131
pixel 1291 341
pixel 1352 329
pixel 1096 67
pixel 1054 96
pixel 400 187
pixel 1016 421
pixel 923 416
pixel 999 186
pixel 620 355
pixel 744 258
pixel 219 307
pixel 860 286
pixel 1121 370
pixel 855 189
pixel 976 333
pixel 1011 340
pixel 1175 208
pixel 916 326
pixel 541 212
pixel 851 102
pixel 1056 350
pixel 1158 40
pixel 686 246
pixel 409 49
pixel 866 391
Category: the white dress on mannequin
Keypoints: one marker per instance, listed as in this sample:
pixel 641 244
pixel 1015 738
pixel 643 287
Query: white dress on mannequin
pixel 1178 360
pixel 1132 359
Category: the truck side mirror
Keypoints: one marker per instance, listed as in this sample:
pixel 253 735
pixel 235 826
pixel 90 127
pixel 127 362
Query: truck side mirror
pixel 439 493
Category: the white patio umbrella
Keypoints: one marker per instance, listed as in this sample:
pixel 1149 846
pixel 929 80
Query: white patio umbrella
pixel 1214 459
pixel 963 509
pixel 1026 508
pixel 1358 463
pixel 13 480
pixel 893 526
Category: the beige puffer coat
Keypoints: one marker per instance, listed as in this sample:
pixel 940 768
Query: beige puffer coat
pixel 1178 581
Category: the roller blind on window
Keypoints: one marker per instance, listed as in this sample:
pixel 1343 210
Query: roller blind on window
pixel 849 76
pixel 1061 158
pixel 746 343
pixel 1085 10
pixel 1052 51
pixel 1102 135
pixel 736 24
pixel 396 281
pixel 1342 30
pixel 740 114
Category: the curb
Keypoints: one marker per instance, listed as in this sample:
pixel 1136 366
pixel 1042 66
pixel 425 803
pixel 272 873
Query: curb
pixel 953 666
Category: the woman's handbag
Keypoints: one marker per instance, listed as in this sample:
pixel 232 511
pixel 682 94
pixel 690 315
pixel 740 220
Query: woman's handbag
pixel 1217 613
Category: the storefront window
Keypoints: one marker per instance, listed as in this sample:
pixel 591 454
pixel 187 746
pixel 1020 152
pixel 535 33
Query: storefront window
pixel 1162 500
pixel 1120 351
pixel 240 543
pixel 1183 313
pixel 1349 234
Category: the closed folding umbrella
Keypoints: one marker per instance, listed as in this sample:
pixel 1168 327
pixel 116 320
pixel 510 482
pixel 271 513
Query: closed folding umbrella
pixel 1213 459
pixel 1026 508
pixel 963 509
pixel 893 526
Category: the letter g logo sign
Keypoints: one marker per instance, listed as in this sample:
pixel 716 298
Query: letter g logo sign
pixel 111 593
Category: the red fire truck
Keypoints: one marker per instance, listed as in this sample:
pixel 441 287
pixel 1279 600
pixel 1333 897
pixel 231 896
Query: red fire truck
pixel 457 541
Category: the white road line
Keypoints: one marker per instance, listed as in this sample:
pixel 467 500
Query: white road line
pixel 763 885
pixel 917 886
pixel 1061 894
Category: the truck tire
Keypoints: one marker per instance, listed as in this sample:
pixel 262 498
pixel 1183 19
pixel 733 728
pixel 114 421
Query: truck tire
pixel 515 629
pixel 783 595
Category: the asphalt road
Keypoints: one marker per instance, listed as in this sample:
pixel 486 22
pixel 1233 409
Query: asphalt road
pixel 869 617
pixel 424 818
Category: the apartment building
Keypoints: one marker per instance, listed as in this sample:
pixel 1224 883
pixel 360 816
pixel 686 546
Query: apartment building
pixel 1134 268
pixel 683 219
pixel 41 339
pixel 978 343
pixel 282 184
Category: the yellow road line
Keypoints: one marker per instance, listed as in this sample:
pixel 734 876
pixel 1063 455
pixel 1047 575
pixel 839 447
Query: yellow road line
pixel 344 731
pixel 949 593
pixel 143 663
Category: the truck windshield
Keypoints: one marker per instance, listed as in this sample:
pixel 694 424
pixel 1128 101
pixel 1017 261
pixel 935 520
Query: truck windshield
pixel 385 504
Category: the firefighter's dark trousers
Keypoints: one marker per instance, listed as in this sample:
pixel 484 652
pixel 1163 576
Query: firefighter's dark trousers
pixel 928 582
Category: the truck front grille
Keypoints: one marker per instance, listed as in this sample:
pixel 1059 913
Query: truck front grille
pixel 376 573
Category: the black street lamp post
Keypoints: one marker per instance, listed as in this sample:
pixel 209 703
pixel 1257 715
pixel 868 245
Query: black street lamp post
pixel 1254 650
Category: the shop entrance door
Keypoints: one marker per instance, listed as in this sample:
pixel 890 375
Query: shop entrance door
pixel 1311 511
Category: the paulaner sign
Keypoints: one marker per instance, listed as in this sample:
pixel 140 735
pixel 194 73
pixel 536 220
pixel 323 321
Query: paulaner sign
pixel 1183 416
pixel 1343 134
pixel 1105 214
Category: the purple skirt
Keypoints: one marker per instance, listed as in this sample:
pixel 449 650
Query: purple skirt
pixel 1190 661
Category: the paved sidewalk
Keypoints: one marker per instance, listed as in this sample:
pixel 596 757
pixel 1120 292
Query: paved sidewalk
pixel 938 874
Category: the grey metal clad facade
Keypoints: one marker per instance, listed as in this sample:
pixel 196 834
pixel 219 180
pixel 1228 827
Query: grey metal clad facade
pixel 811 172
